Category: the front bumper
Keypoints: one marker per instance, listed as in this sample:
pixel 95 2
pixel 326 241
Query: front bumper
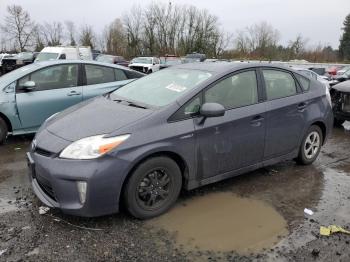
pixel 54 181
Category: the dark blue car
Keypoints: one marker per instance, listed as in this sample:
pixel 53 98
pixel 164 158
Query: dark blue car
pixel 182 127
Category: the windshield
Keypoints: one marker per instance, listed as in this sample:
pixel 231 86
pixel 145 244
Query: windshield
pixel 46 56
pixel 163 87
pixel 142 60
pixel 105 59
pixel 192 59
pixel 25 55
pixel 171 61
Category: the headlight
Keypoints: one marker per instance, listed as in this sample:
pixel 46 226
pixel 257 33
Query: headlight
pixel 92 147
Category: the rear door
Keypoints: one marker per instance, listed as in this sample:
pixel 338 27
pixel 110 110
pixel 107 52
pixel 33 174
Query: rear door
pixel 100 80
pixel 56 88
pixel 235 140
pixel 286 107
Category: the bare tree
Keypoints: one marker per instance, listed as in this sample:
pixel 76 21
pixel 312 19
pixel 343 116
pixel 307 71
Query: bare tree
pixel 18 27
pixel 39 41
pixel 87 36
pixel 70 28
pixel 52 33
pixel 115 38
pixel 297 46
pixel 133 25
pixel 242 43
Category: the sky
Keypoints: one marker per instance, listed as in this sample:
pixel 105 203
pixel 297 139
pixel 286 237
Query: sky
pixel 319 21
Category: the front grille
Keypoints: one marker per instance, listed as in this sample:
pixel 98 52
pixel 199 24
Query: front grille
pixel 45 185
pixel 139 68
pixel 43 152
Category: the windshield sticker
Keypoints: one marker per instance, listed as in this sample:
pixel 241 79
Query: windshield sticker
pixel 176 88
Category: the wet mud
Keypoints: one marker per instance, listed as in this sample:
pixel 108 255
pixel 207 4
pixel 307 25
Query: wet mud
pixel 223 222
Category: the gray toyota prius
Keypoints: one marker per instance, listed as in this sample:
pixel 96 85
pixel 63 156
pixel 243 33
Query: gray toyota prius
pixel 182 127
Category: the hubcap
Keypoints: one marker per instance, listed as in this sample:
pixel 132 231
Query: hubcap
pixel 153 189
pixel 312 145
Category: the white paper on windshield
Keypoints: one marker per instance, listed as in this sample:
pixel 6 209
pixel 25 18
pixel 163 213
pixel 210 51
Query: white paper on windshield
pixel 176 88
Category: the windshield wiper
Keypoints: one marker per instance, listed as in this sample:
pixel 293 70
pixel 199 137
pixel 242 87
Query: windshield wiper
pixel 135 105
pixel 129 103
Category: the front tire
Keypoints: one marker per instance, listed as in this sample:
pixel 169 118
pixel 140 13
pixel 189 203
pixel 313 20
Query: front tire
pixel 311 146
pixel 153 187
pixel 3 131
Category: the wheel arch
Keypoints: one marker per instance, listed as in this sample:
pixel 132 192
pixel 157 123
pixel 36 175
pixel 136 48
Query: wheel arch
pixel 170 154
pixel 7 121
pixel 323 128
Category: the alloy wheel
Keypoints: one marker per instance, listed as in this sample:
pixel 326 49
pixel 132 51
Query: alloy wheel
pixel 312 145
pixel 154 189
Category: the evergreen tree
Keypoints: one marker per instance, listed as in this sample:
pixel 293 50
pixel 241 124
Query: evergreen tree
pixel 344 48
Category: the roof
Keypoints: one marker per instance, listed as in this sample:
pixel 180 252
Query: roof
pixel 57 62
pixel 219 67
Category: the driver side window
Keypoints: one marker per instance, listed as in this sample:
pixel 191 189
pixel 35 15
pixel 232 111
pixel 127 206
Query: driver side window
pixel 53 77
pixel 235 91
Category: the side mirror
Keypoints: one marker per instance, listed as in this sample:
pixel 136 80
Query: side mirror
pixel 62 57
pixel 212 110
pixel 28 86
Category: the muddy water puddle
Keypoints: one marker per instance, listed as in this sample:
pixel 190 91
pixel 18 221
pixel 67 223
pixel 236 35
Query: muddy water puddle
pixel 223 222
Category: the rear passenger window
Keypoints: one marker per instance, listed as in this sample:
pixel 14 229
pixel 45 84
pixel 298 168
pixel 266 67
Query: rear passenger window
pixel 304 82
pixel 98 74
pixel 119 75
pixel 235 91
pixel 278 84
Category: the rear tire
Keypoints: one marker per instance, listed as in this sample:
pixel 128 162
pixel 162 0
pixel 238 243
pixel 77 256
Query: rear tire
pixel 153 187
pixel 311 146
pixel 3 131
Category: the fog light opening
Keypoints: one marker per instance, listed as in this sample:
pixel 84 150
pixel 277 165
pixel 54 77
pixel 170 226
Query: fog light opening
pixel 82 187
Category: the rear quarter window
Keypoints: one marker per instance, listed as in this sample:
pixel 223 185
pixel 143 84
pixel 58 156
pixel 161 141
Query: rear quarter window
pixel 303 81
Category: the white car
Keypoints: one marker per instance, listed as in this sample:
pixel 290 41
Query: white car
pixel 145 64
pixel 65 52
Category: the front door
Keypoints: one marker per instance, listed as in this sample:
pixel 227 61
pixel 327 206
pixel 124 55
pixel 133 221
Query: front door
pixel 235 140
pixel 56 88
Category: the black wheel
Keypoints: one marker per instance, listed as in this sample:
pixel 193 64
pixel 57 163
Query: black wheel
pixel 310 146
pixel 153 187
pixel 338 122
pixel 3 131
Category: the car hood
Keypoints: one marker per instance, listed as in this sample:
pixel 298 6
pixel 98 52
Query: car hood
pixel 94 117
pixel 343 87
pixel 139 64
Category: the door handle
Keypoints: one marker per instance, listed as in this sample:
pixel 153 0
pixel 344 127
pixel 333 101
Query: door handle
pixel 73 93
pixel 302 106
pixel 256 121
